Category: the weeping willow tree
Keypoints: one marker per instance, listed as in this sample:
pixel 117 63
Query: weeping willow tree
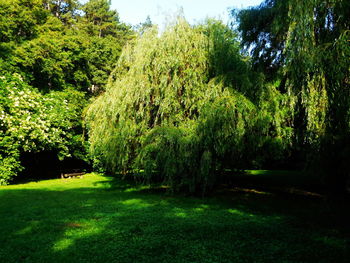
pixel 306 44
pixel 179 105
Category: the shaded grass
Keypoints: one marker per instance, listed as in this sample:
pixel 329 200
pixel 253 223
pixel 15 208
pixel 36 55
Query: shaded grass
pixel 281 182
pixel 102 219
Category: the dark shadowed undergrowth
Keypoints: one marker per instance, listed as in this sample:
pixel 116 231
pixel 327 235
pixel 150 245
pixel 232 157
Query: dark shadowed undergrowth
pixel 101 219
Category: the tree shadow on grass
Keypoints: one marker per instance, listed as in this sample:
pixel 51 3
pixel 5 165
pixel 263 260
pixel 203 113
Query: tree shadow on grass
pixel 127 224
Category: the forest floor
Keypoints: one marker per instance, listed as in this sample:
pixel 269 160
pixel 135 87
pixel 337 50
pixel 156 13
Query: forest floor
pixel 102 219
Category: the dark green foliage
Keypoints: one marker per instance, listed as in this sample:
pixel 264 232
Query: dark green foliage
pixel 307 45
pixel 263 31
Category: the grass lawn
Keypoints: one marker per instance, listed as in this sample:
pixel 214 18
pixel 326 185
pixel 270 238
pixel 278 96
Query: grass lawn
pixel 100 219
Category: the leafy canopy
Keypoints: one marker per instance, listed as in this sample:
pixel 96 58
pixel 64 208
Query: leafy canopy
pixel 306 43
pixel 32 122
pixel 177 106
pixel 56 44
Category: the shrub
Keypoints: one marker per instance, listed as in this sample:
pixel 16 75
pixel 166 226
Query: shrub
pixel 32 122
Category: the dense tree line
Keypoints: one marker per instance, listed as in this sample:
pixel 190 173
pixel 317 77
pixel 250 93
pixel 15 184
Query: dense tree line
pixel 305 45
pixel 54 55
pixel 183 105
pixel 54 44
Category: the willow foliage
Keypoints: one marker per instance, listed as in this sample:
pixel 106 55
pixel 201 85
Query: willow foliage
pixel 177 107
pixel 306 44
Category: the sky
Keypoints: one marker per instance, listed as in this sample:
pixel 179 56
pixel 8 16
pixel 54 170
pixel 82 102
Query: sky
pixel 136 11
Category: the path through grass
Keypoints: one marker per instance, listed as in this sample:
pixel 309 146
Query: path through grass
pixel 98 219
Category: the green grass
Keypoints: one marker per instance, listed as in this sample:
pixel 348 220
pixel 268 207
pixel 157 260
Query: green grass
pixel 100 219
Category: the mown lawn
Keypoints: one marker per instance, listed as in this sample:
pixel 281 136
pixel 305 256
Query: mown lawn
pixel 100 219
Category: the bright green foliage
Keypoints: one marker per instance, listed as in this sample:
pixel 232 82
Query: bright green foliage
pixel 32 122
pixel 225 60
pixel 19 19
pixel 142 27
pixel 175 108
pixel 58 44
pixel 275 121
pixel 100 20
pixel 164 85
pixel 189 155
pixel 65 10
pixel 106 37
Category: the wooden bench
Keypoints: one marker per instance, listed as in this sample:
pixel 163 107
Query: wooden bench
pixel 72 175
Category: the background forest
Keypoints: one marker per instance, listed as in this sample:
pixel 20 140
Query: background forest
pixel 187 105
pixel 54 56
